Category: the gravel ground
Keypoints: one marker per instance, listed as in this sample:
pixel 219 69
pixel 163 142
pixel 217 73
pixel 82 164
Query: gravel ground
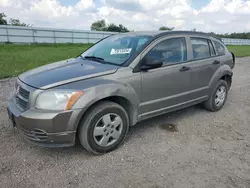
pixel 205 150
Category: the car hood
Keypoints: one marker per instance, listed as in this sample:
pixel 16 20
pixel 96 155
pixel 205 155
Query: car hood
pixel 64 72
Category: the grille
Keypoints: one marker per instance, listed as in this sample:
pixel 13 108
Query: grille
pixel 24 93
pixel 22 98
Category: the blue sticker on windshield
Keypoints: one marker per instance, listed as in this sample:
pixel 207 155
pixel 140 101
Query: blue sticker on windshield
pixel 120 51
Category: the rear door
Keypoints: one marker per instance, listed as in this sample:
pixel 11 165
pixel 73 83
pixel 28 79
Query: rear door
pixel 221 52
pixel 204 65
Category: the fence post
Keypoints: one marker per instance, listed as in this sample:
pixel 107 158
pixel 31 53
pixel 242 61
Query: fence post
pixel 7 34
pixel 33 35
pixel 88 37
pixel 72 36
pixel 54 34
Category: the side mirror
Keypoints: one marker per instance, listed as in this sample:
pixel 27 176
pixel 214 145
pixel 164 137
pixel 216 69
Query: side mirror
pixel 150 63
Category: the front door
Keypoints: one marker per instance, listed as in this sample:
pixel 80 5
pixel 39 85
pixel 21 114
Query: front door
pixel 168 86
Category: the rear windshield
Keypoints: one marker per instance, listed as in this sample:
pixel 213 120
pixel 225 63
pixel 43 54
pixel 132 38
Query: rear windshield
pixel 117 49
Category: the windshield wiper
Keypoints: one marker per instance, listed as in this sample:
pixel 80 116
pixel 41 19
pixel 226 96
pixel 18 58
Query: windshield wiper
pixel 98 59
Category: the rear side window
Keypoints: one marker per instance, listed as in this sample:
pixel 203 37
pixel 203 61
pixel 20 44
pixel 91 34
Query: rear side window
pixel 170 51
pixel 200 48
pixel 220 49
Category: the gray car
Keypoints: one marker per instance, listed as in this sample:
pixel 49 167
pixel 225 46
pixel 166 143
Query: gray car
pixel 121 80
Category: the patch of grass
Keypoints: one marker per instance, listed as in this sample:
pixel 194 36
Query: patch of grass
pixel 239 51
pixel 18 58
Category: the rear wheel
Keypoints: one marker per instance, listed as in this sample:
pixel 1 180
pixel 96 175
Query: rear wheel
pixel 103 128
pixel 218 98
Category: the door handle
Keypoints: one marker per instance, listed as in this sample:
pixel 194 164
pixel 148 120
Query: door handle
pixel 184 69
pixel 216 62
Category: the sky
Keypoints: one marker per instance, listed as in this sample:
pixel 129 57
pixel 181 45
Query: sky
pixel 220 16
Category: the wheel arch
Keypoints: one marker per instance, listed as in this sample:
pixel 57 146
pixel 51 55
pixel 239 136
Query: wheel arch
pixel 120 93
pixel 228 79
pixel 126 104
pixel 123 95
pixel 224 73
pixel 122 101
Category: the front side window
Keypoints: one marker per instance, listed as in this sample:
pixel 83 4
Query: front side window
pixel 219 48
pixel 116 49
pixel 200 48
pixel 170 51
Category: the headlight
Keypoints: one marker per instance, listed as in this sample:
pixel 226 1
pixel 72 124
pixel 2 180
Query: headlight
pixel 57 100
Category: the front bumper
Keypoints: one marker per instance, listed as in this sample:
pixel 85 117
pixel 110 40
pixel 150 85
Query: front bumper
pixel 46 128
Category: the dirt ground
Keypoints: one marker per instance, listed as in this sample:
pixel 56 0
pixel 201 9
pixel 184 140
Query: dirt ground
pixel 205 150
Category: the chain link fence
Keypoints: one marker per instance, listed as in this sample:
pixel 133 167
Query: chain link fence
pixel 229 41
pixel 16 34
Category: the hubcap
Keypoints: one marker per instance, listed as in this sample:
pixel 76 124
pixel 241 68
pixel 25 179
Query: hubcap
pixel 220 96
pixel 108 129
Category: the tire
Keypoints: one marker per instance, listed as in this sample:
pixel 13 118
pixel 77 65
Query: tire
pixel 210 104
pixel 100 125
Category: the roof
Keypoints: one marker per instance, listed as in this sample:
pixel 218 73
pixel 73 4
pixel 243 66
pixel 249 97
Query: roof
pixel 162 33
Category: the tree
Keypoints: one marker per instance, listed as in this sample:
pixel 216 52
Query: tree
pixel 16 22
pixel 2 20
pixel 123 29
pixel 12 21
pixel 114 28
pixel 166 28
pixel 99 25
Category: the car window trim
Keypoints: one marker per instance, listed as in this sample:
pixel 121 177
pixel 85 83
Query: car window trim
pixel 136 69
pixel 154 41
pixel 203 58
pixel 216 55
pixel 170 65
pixel 210 42
pixel 203 38
pixel 206 58
pixel 185 42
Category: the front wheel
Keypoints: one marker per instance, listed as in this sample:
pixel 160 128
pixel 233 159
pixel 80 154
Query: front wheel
pixel 103 128
pixel 218 98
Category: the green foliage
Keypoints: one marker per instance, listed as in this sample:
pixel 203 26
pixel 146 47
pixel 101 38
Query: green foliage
pixel 7 42
pixel 114 28
pixel 101 25
pixel 2 20
pixel 165 28
pixel 16 22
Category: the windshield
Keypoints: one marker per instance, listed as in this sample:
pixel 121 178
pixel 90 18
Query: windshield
pixel 116 49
